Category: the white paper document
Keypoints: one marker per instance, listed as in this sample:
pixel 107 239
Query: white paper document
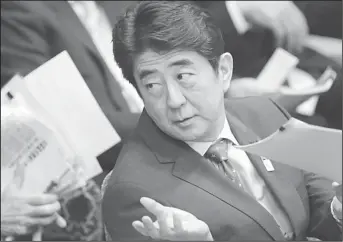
pixel 59 91
pixel 307 147
pixel 274 73
pixel 31 155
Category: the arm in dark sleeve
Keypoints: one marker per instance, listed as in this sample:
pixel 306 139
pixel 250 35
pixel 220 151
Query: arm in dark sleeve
pixel 322 224
pixel 320 192
pixel 121 206
pixel 24 44
pixel 250 50
pixel 222 18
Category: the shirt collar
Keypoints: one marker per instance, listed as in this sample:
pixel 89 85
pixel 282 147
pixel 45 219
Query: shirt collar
pixel 202 147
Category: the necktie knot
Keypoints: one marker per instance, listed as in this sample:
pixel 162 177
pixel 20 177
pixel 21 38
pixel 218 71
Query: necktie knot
pixel 218 151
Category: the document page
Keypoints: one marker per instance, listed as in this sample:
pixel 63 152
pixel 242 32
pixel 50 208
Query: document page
pixel 308 147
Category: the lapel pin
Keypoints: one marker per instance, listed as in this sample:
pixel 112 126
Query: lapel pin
pixel 267 164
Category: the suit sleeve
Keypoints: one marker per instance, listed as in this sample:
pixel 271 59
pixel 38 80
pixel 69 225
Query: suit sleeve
pixel 250 50
pixel 320 193
pixel 121 207
pixel 24 44
pixel 221 17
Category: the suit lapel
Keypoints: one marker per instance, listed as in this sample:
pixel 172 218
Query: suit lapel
pixel 284 192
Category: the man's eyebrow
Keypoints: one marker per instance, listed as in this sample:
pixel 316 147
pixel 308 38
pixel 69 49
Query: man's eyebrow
pixel 183 62
pixel 145 73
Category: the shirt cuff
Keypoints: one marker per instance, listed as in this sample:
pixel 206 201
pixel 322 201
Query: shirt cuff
pixel 338 220
pixel 240 23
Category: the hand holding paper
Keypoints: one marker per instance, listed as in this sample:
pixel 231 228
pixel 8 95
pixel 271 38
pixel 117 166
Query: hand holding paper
pixel 21 214
pixel 302 86
pixel 50 141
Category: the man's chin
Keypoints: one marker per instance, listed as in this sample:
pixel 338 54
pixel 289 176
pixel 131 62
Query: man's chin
pixel 191 135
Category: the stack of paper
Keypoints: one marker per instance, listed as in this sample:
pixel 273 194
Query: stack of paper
pixel 56 94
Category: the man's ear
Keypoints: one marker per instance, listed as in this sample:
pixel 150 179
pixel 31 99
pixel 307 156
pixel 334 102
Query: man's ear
pixel 225 66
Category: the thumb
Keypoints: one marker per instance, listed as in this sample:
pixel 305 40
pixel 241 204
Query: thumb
pixel 338 190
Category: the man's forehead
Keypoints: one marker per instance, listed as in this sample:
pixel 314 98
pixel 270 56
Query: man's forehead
pixel 150 59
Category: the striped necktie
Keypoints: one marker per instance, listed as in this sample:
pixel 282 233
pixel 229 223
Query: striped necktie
pixel 217 154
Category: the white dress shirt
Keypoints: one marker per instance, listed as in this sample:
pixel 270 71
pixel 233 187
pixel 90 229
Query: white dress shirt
pixel 93 17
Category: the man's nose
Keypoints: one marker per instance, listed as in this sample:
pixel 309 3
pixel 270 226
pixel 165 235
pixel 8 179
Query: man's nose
pixel 175 98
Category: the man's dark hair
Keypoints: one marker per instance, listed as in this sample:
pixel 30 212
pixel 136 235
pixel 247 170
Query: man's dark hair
pixel 164 26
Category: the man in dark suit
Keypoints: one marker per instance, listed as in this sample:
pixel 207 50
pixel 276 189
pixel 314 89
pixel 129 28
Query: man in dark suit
pixel 34 32
pixel 181 153
pixel 252 47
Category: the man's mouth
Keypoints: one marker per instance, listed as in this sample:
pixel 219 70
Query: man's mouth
pixel 184 122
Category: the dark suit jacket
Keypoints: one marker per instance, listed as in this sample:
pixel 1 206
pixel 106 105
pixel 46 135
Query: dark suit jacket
pixel 34 32
pixel 154 165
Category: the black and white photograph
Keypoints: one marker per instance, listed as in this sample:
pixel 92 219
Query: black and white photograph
pixel 171 120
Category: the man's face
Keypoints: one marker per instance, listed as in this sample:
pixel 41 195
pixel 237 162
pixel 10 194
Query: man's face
pixel 182 92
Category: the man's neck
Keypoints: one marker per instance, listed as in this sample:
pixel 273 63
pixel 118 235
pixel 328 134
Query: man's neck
pixel 224 131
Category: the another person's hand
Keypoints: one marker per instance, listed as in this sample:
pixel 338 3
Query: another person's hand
pixel 337 200
pixel 171 224
pixel 245 87
pixel 24 214
pixel 284 19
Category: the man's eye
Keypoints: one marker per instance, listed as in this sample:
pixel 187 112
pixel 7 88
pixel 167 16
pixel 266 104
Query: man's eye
pixel 183 76
pixel 154 88
pixel 151 85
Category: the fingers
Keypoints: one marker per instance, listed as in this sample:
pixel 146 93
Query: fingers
pixel 154 207
pixel 60 221
pixel 42 199
pixel 37 236
pixel 279 33
pixel 139 226
pixel 338 190
pixel 178 228
pixel 45 210
pixel 151 230
pixel 39 221
pixel 293 34
pixel 165 227
pixel 296 28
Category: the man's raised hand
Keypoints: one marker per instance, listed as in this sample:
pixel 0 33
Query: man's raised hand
pixel 171 224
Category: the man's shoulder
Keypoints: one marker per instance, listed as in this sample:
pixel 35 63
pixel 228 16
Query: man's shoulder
pixel 21 7
pixel 134 153
pixel 261 114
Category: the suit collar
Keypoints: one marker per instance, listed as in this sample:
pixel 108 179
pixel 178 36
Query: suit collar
pixel 202 147
pixel 192 167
